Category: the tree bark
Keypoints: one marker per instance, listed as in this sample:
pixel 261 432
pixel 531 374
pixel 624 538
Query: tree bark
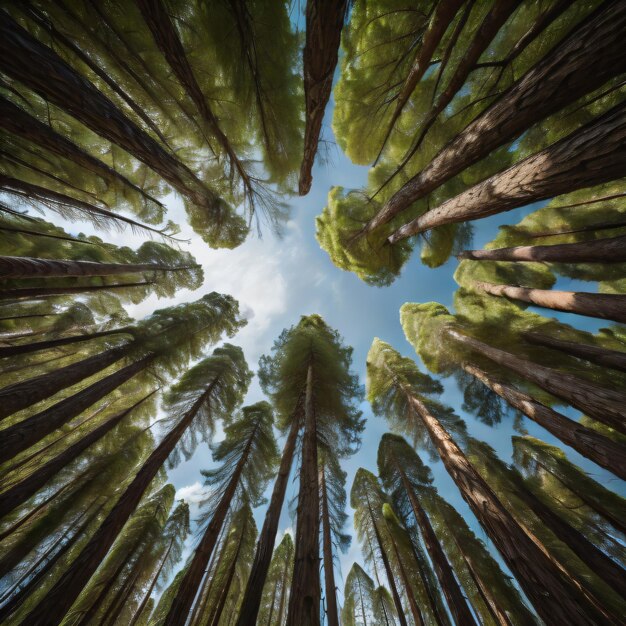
pixel 28 487
pixel 29 267
pixel 585 59
pixel 591 155
pixel 607 306
pixel 609 250
pixel 449 585
pixel 613 359
pixel 304 599
pixel 21 395
pixel 63 594
pixel 21 436
pixel 556 597
pixel 590 443
pixel 38 67
pixel 329 566
pixel 265 545
pixel 324 21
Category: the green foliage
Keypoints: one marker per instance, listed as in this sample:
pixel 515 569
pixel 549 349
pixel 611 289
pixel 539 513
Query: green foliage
pixel 277 588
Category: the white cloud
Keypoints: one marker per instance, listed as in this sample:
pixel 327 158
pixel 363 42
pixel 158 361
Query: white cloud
pixel 192 494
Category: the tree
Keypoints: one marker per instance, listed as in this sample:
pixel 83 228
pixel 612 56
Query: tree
pixel 359 597
pixel 248 454
pixel 276 589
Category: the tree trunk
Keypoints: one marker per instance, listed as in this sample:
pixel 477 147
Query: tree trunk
pixel 36 233
pixel 283 594
pixel 581 229
pixel 36 293
pixel 52 608
pixel 271 613
pixel 39 68
pixel 18 122
pixel 604 357
pixel 329 565
pixel 29 486
pixel 28 267
pixel 389 572
pixel 556 597
pixel 362 602
pixel 265 545
pixel 21 395
pixel 21 436
pixel 449 585
pixel 304 599
pixel 324 21
pixel 608 306
pixel 609 250
pixel 590 443
pixel 591 155
pixel 118 603
pixel 444 14
pixel 36 346
pixel 585 59
pixel 183 601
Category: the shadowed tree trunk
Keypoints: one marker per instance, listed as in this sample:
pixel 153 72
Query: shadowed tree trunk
pixel 36 293
pixel 304 599
pixel 324 21
pixel 38 67
pixel 27 487
pixel 556 597
pixel 608 306
pixel 329 565
pixel 586 58
pixel 21 436
pixel 590 443
pixel 591 155
pixel 21 395
pixel 610 250
pixel 267 537
pixel 604 357
pixel 449 585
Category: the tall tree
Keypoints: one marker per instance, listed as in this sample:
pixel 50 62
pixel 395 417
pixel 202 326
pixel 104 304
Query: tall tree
pixel 276 589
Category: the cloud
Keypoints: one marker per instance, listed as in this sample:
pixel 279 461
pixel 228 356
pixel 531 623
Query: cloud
pixel 192 494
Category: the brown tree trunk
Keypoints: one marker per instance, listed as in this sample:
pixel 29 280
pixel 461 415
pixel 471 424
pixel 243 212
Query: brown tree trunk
pixel 119 601
pixel 591 155
pixel 29 486
pixel 324 21
pixel 37 293
pixel 608 306
pixel 188 589
pixel 21 436
pixel 29 267
pixel 609 250
pixel 556 597
pixel 265 545
pixel 55 604
pixel 304 600
pixel 329 566
pixel 449 585
pixel 21 395
pixel 604 357
pixel 36 346
pixel 38 67
pixel 584 60
pixel 590 443
pixel 444 14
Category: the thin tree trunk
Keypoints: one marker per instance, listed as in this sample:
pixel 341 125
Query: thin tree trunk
pixel 613 359
pixel 590 443
pixel 29 486
pixel 118 604
pixel 362 602
pixel 444 14
pixel 267 537
pixel 584 60
pixel 609 225
pixel 188 589
pixel 29 267
pixel 271 613
pixel 21 395
pixel 449 585
pixel 324 21
pixel 608 306
pixel 39 68
pixel 36 233
pixel 21 436
pixel 556 597
pixel 283 594
pixel 59 599
pixel 36 293
pixel 304 599
pixel 609 250
pixel 591 155
pixel 36 346
pixel 329 566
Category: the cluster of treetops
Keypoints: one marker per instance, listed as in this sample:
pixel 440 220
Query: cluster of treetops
pixel 466 109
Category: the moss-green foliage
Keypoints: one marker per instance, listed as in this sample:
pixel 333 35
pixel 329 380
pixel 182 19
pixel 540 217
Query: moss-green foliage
pixel 359 600
pixel 277 583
